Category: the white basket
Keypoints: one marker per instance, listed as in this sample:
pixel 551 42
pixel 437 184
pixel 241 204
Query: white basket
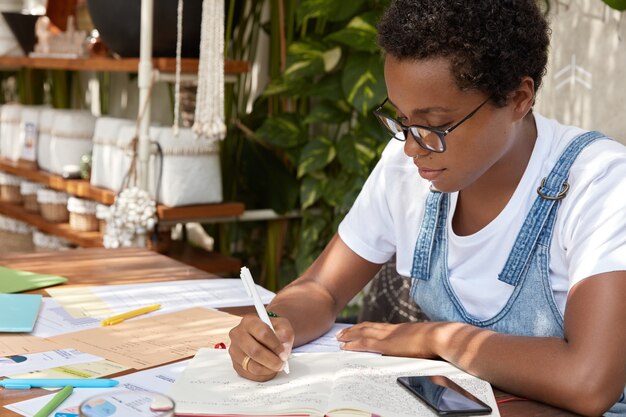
pixel 10 188
pixel 72 131
pixel 82 214
pixel 10 118
pixel 45 242
pixel 44 156
pixel 106 168
pixel 191 172
pixel 15 236
pixel 53 205
pixel 29 132
pixel 29 195
pixel 102 214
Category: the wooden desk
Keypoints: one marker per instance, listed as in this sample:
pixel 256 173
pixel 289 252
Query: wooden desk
pixel 125 266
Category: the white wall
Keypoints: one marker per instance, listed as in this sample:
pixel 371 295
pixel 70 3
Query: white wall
pixel 586 80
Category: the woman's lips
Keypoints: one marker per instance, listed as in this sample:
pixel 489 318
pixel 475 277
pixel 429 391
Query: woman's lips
pixel 429 174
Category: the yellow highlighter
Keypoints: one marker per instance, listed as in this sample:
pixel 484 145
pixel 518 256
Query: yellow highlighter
pixel 109 321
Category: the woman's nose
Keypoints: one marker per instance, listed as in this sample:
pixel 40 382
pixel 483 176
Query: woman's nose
pixel 413 149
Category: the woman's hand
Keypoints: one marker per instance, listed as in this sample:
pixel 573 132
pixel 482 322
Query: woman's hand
pixel 406 339
pixel 267 351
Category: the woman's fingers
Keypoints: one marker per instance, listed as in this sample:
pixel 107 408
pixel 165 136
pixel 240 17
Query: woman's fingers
pixel 265 349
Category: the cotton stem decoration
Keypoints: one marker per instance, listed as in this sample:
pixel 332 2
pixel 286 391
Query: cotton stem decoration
pixel 209 117
pixel 130 217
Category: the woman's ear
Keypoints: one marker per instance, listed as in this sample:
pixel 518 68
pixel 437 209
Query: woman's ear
pixel 522 98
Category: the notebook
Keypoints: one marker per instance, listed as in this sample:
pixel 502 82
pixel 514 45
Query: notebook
pixel 13 280
pixel 18 312
pixel 332 383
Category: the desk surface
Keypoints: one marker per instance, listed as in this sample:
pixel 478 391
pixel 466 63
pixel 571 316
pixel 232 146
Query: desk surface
pixel 125 266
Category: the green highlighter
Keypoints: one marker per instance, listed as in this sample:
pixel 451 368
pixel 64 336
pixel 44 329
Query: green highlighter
pixel 55 402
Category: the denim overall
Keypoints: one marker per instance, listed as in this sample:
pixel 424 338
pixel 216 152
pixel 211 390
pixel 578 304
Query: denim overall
pixel 531 310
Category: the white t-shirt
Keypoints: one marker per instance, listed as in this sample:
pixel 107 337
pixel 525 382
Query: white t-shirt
pixel 589 236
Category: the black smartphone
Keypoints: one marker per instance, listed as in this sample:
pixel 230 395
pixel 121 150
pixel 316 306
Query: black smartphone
pixel 444 396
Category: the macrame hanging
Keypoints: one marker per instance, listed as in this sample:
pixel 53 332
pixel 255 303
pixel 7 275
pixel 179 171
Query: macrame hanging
pixel 209 118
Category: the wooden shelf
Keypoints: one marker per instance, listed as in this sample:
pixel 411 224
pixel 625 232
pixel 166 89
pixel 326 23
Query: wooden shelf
pixel 82 239
pixel 211 262
pixel 167 65
pixel 83 189
pixel 79 188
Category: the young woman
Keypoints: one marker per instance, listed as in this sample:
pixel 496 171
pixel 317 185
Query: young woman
pixel 512 226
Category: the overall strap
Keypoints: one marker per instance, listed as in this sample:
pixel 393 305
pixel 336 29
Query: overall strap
pixel 553 188
pixel 436 204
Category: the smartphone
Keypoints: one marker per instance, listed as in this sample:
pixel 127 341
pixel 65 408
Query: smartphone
pixel 444 396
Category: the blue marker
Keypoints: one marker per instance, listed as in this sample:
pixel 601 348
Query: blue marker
pixel 27 383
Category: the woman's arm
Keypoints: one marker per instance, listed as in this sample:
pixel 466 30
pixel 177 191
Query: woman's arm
pixel 307 308
pixel 585 372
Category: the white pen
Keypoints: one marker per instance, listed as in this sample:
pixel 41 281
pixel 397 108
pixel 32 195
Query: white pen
pixel 250 286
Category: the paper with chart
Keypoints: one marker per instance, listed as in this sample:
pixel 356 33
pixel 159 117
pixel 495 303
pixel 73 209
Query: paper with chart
pixel 157 379
pixel 107 300
pixel 142 343
pixel 54 320
pixel 96 369
pixel 19 364
pixel 319 383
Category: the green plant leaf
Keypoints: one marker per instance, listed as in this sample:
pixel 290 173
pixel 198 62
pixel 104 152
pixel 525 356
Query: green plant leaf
pixel 318 153
pixel 332 10
pixel 360 34
pixel 363 81
pixel 311 190
pixel 311 240
pixel 328 87
pixel 283 131
pixel 267 183
pixel 305 58
pixel 285 87
pixel 331 58
pixel 370 127
pixel 616 4
pixel 327 112
pixel 356 156
pixel 341 191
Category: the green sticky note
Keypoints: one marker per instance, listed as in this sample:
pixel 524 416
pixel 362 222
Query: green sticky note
pixel 13 280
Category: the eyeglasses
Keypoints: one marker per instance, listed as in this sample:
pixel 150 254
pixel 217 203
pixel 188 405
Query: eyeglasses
pixel 427 137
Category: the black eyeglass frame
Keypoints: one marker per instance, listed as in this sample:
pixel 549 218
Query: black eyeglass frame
pixel 418 138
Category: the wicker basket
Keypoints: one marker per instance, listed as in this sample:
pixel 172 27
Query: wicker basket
pixel 44 242
pixel 29 195
pixel 102 214
pixel 10 188
pixel 82 214
pixel 53 205
pixel 15 236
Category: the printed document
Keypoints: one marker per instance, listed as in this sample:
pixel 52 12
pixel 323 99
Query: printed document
pixel 157 380
pixel 143 343
pixel 108 300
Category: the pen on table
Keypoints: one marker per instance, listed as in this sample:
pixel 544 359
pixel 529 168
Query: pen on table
pixel 248 283
pixel 109 321
pixel 28 383
pixel 60 396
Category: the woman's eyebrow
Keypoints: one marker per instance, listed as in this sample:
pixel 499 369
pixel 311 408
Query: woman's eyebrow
pixel 434 109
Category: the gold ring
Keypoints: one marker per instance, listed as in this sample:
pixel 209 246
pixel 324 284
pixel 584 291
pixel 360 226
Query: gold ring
pixel 246 363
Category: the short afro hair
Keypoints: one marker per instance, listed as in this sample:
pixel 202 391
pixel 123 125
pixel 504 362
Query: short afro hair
pixel 491 44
